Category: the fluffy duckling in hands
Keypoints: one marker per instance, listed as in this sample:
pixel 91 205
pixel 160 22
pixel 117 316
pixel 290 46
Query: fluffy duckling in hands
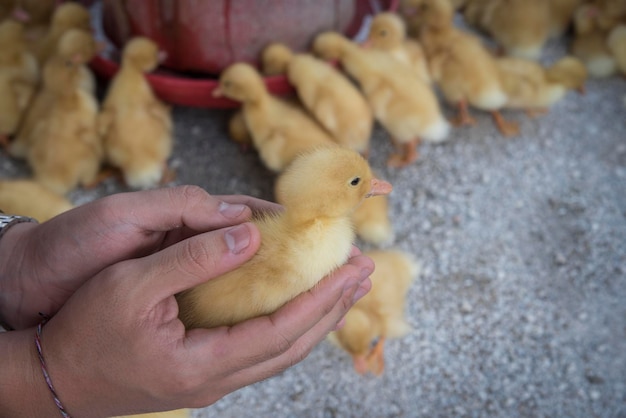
pixel 534 88
pixel 299 246
pixel 280 130
pixel 136 127
pixel 65 149
pixel 388 33
pixel 460 65
pixel 379 314
pixel 29 198
pixel 328 95
pixel 405 105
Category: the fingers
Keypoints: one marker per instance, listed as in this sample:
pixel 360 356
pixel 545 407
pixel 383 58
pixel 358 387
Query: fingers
pixel 285 337
pixel 197 259
pixel 189 206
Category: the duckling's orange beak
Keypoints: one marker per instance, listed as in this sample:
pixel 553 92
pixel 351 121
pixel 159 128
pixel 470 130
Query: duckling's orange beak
pixel 217 92
pixel 379 187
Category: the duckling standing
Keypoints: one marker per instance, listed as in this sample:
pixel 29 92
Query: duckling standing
pixel 280 130
pixel 136 127
pixel 402 103
pixel 334 101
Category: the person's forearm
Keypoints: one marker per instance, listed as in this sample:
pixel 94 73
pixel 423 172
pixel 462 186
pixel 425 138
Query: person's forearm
pixel 23 390
pixel 14 308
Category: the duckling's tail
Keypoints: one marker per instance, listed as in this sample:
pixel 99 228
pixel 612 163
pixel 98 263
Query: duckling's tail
pixel 437 131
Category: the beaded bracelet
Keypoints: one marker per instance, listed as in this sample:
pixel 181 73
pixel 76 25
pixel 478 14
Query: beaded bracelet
pixel 44 368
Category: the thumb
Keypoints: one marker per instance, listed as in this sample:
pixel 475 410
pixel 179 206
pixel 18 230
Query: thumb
pixel 197 259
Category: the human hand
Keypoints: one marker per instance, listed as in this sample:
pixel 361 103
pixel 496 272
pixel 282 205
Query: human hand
pixel 117 346
pixel 43 265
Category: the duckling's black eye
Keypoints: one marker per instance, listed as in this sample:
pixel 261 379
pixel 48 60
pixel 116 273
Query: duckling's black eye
pixel 355 181
pixel 383 33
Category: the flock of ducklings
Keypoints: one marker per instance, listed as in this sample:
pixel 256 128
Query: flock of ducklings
pixel 49 116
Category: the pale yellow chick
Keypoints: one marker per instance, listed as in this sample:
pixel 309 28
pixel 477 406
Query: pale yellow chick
pixel 520 27
pixel 299 246
pixel 590 42
pixel 617 45
pixel 464 70
pixel 29 198
pixel 533 87
pixel 65 150
pixel 388 33
pixel 68 15
pixel 380 314
pixel 405 105
pixel 280 130
pixel 136 127
pixel 328 95
pixel 77 46
pixel 19 75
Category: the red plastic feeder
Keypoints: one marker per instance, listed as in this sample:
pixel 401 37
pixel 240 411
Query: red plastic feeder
pixel 203 38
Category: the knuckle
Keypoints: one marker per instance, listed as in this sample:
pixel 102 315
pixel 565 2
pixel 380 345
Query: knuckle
pixel 281 343
pixel 196 257
pixel 190 194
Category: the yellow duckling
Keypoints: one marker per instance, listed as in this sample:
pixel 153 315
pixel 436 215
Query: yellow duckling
pixel 280 130
pixel 379 314
pixel 299 246
pixel 328 95
pixel 405 105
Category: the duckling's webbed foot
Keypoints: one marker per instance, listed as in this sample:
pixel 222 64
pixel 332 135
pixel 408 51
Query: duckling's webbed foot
pixel 463 116
pixel 505 127
pixel 406 155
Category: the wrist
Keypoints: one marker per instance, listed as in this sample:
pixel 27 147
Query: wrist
pixel 23 390
pixel 14 285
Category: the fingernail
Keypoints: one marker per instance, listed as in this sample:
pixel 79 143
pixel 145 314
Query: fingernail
pixel 231 211
pixel 360 292
pixel 237 238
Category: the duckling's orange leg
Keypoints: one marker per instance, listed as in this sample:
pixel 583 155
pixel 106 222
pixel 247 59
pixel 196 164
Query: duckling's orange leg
pixel 169 175
pixel 533 113
pixel 463 117
pixel 506 128
pixel 376 358
pixel 4 141
pixel 406 154
pixel 104 174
